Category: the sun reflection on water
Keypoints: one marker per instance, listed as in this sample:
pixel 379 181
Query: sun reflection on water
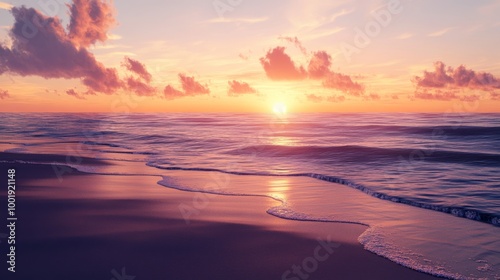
pixel 278 188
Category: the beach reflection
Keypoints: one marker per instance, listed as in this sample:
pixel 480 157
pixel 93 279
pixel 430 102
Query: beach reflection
pixel 279 188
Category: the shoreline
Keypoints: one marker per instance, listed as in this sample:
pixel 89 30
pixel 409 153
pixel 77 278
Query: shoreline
pixel 90 225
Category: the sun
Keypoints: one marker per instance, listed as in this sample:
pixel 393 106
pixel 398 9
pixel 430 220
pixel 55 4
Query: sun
pixel 279 108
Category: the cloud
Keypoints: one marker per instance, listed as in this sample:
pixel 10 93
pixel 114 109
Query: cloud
pixel 323 33
pixel 472 98
pixel 243 56
pixel 41 47
pixel 236 88
pixel 279 66
pixel 75 94
pixel 90 21
pixel 440 32
pixel 170 92
pixel 314 98
pixel 495 95
pixel 139 87
pixel 296 42
pixel 319 65
pixel 331 98
pixel 372 96
pixel 137 67
pixel 114 37
pixel 459 77
pixel 335 98
pixel 343 83
pixel 447 83
pixel 4 94
pixel 5 6
pixel 435 95
pixel 343 12
pixel 444 95
pixel 190 88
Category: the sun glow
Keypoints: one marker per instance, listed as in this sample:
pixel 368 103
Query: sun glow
pixel 279 108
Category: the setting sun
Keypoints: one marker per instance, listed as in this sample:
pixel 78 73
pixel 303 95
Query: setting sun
pixel 279 108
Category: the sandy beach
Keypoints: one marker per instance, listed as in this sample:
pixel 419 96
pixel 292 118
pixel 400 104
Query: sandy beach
pixel 103 226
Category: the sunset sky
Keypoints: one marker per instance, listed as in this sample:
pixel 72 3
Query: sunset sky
pixel 247 56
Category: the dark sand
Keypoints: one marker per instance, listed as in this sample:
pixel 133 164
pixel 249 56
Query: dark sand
pixel 85 226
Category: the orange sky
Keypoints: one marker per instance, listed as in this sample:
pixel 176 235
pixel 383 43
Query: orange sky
pixel 220 56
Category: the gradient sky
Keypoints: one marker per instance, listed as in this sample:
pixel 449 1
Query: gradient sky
pixel 245 56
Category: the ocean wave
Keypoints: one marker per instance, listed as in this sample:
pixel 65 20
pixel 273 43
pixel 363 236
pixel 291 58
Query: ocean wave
pixel 373 239
pixel 462 212
pixel 442 130
pixel 112 145
pixel 125 152
pixel 365 153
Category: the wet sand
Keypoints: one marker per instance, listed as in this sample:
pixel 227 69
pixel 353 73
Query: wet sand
pixel 107 226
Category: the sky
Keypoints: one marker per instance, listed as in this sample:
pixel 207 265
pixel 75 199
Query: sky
pixel 249 56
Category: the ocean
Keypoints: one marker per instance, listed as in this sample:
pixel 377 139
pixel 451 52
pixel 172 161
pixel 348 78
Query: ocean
pixel 438 172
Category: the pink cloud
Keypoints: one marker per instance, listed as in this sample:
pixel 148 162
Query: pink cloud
pixel 331 98
pixel 372 96
pixel 139 87
pixel 441 95
pixel 243 56
pixel 343 83
pixel 319 65
pixel 4 94
pixel 436 79
pixel 72 92
pixel 495 95
pixel 190 88
pixel 446 83
pixel 335 98
pixel 296 42
pixel 470 98
pixel 137 67
pixel 171 93
pixel 49 52
pixel 279 66
pixel 89 21
pixel 236 88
